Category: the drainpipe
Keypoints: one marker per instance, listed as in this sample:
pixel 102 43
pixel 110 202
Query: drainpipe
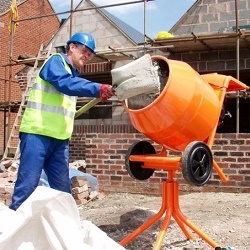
pixel 237 67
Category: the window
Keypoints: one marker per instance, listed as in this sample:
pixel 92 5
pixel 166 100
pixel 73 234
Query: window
pixel 229 122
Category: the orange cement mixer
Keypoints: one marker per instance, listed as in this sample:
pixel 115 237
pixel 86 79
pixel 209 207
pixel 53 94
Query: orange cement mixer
pixel 187 109
pixel 183 117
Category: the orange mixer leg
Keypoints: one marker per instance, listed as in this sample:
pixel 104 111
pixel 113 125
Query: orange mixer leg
pixel 170 207
pixel 177 212
pixel 146 224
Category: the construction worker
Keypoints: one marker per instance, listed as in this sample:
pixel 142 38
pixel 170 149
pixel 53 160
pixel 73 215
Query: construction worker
pixel 47 122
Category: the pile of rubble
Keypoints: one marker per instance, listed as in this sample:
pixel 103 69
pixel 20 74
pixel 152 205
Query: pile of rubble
pixel 84 186
pixel 7 180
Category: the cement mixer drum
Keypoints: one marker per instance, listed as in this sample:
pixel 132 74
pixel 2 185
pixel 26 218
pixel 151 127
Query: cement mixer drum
pixel 185 109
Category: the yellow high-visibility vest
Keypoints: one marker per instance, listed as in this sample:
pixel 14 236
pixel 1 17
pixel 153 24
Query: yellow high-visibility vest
pixel 49 112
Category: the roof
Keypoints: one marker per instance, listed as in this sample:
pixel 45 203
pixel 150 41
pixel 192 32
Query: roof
pixel 5 5
pixel 136 36
pixel 131 32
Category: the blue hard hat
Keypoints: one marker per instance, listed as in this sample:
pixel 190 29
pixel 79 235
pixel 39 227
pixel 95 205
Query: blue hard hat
pixel 84 39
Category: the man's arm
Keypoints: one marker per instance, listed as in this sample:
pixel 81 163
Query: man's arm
pixel 55 73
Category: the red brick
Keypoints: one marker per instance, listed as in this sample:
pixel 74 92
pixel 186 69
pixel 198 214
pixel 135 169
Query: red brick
pixel 78 181
pixel 81 196
pixel 78 190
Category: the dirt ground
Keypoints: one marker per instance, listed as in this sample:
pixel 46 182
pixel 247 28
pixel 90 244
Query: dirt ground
pixel 224 217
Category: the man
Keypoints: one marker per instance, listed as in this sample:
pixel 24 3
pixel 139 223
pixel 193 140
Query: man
pixel 47 123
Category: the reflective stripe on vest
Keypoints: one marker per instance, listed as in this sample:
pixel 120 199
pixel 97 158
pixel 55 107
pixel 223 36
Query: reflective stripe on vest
pixel 43 107
pixel 49 112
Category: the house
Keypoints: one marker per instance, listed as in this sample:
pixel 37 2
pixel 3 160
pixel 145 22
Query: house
pixel 204 38
pixel 28 37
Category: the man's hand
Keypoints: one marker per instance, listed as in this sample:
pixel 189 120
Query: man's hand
pixel 106 92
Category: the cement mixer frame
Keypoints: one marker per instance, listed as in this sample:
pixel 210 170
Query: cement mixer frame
pixel 196 164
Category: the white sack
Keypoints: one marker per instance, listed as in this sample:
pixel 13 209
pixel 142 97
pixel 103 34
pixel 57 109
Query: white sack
pixel 135 78
pixel 49 220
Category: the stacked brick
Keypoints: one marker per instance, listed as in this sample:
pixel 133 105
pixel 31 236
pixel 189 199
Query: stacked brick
pixel 80 189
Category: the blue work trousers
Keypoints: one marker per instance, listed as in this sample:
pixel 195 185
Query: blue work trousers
pixel 41 152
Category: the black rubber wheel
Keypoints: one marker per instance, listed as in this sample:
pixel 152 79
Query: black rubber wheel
pixel 135 168
pixel 197 163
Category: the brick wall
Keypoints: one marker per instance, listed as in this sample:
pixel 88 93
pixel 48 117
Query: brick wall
pixel 104 149
pixel 216 16
pixel 215 61
pixel 28 37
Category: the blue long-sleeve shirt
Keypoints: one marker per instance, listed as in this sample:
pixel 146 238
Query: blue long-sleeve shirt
pixel 55 73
